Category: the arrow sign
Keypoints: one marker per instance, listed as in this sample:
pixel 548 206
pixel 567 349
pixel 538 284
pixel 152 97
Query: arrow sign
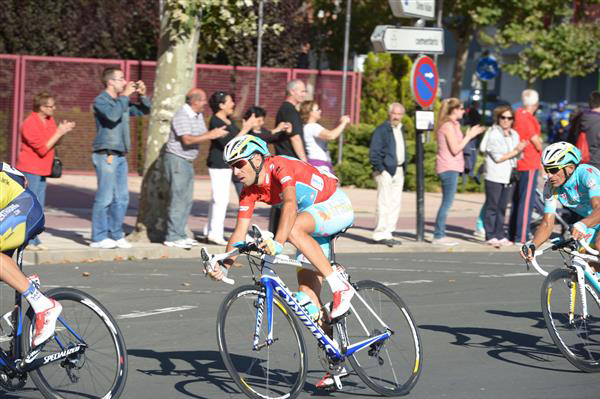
pixel 413 8
pixel 424 81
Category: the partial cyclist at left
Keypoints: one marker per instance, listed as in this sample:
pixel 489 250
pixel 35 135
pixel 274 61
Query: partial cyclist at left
pixel 66 341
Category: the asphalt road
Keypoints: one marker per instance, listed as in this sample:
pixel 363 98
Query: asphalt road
pixel 479 317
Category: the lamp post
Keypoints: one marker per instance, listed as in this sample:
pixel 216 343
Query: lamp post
pixel 345 73
pixel 259 53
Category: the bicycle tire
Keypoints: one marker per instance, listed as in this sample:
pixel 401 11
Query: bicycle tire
pixel 397 372
pixel 260 374
pixel 101 370
pixel 578 339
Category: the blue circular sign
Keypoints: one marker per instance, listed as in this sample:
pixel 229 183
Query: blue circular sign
pixel 424 81
pixel 487 68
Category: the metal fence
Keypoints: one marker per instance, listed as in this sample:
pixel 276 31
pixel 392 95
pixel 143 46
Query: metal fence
pixel 75 82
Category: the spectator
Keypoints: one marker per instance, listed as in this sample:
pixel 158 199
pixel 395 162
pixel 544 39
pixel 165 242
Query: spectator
pixel 292 145
pixel 449 160
pixel 590 124
pixel 387 155
pixel 502 147
pixel 316 136
pixel 258 130
pixel 303 60
pixel 39 137
pixel 187 132
pixel 222 106
pixel 112 109
pixel 529 130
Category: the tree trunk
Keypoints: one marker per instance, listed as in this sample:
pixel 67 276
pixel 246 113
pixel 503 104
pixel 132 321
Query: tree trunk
pixel 174 77
pixel 462 54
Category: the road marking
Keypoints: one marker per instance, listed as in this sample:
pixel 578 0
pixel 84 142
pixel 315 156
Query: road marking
pixel 406 282
pixel 509 275
pixel 137 314
pixel 182 290
pixel 80 287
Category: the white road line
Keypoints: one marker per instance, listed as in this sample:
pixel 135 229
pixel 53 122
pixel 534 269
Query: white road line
pixel 406 282
pixel 137 314
pixel 509 275
pixel 182 290
pixel 80 287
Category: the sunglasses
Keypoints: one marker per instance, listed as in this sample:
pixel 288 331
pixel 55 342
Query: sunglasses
pixel 553 169
pixel 507 118
pixel 239 164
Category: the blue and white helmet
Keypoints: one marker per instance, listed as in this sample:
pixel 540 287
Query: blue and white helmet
pixel 243 147
pixel 561 154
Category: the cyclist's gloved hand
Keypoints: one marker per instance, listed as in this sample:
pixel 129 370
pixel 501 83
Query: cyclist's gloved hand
pixel 578 231
pixel 218 272
pixel 271 247
pixel 527 251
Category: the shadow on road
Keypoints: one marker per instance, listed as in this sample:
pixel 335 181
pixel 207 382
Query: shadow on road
pixel 508 346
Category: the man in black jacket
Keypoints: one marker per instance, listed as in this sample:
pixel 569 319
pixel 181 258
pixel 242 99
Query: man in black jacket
pixel 387 155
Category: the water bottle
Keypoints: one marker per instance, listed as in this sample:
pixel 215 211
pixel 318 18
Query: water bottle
pixel 309 307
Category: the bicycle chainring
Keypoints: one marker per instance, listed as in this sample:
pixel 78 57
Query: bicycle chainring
pixel 11 381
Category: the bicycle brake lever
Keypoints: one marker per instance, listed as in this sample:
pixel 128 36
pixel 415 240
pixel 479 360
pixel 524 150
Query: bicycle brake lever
pixel 209 262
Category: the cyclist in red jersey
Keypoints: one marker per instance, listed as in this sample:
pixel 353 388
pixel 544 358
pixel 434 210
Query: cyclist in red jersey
pixel 313 208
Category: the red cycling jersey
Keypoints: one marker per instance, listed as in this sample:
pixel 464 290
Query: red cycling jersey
pixel 312 186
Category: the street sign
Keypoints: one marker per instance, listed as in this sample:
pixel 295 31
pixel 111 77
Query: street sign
pixel 408 40
pixel 487 68
pixel 413 8
pixel 425 120
pixel 424 81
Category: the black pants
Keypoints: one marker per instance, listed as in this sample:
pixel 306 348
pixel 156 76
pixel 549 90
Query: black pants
pixel 496 200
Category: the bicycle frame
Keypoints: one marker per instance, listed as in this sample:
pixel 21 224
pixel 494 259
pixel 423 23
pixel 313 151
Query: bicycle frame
pixel 275 286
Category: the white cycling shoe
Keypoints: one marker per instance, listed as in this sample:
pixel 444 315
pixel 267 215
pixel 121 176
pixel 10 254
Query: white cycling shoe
pixel 45 323
pixel 329 379
pixel 341 301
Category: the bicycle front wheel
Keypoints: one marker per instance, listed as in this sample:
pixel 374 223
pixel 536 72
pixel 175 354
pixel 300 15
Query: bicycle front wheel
pixel 101 370
pixel 277 370
pixel 390 367
pixel 578 338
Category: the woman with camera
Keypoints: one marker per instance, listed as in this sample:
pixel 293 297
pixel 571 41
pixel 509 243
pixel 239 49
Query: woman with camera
pixel 501 147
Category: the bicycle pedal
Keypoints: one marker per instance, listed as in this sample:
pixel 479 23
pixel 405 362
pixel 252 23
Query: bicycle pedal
pixel 338 382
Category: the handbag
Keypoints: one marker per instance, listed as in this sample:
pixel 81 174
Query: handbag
pixel 56 167
pixel 514 176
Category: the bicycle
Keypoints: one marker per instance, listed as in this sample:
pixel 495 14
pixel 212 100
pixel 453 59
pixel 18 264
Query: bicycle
pixel 386 356
pixel 571 303
pixel 86 357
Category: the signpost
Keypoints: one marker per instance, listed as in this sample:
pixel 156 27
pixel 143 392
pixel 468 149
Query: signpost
pixel 487 69
pixel 424 78
pixel 424 82
pixel 413 8
pixel 407 40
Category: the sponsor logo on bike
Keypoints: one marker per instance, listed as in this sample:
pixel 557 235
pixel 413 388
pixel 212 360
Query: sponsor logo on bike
pixel 60 355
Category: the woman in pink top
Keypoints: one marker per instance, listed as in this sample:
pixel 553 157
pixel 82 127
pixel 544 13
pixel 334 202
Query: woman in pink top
pixel 449 161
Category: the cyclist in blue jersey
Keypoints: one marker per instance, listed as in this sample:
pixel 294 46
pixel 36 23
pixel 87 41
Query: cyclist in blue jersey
pixel 575 186
pixel 22 218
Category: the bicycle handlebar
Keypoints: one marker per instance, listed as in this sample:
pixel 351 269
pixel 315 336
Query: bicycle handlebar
pixel 558 244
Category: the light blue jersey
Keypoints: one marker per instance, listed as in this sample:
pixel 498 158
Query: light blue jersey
pixel 576 193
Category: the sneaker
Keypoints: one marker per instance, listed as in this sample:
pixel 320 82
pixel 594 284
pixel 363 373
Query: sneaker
pixel 123 243
pixel 328 382
pixel 217 241
pixel 39 247
pixel 479 233
pixel 444 241
pixel 505 242
pixel 493 242
pixel 192 242
pixel 341 301
pixel 178 244
pixel 107 243
pixel 45 323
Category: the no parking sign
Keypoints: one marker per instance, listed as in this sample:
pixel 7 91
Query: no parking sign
pixel 424 81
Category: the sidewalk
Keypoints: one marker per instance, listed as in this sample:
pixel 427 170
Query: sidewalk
pixel 68 223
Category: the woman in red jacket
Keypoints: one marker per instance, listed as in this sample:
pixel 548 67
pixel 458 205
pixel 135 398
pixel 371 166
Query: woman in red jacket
pixel 39 136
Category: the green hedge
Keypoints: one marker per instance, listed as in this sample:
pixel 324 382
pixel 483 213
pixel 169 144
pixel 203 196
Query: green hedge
pixel 355 169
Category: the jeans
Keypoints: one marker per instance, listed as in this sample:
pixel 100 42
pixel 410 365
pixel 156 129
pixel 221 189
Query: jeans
pixel 497 196
pixel 112 197
pixel 37 184
pixel 449 183
pixel 180 175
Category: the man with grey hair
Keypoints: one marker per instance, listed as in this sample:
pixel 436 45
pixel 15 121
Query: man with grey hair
pixel 387 155
pixel 528 166
pixel 187 132
pixel 292 145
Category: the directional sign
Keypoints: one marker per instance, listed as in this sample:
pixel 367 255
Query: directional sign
pixel 424 81
pixel 487 68
pixel 413 8
pixel 408 40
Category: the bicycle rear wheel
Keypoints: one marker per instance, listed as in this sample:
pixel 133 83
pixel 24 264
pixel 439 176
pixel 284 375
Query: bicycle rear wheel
pixel 274 371
pixel 390 367
pixel 100 371
pixel 577 338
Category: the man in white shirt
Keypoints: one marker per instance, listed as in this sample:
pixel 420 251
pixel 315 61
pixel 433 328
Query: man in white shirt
pixel 387 155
